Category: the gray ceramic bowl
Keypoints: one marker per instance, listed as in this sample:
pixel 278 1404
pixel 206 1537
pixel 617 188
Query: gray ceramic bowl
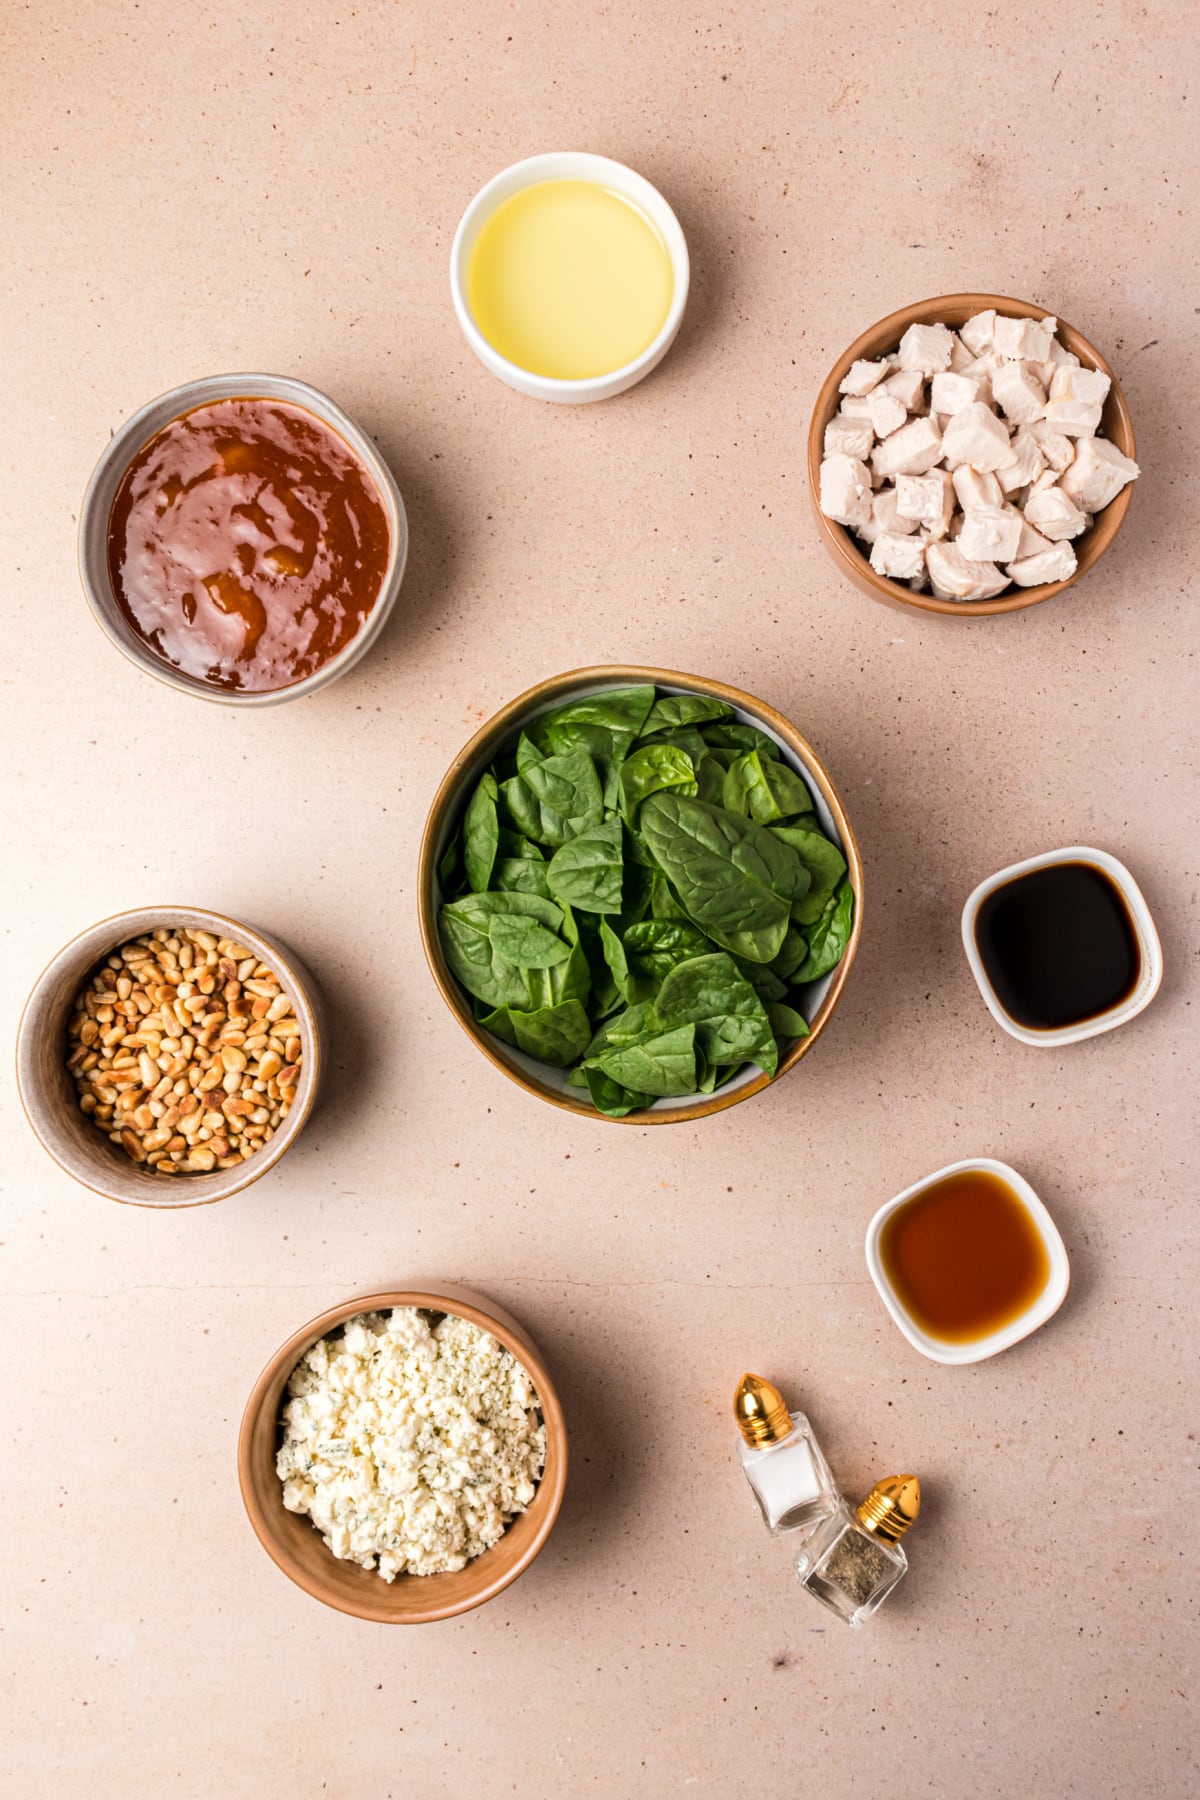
pixel 106 478
pixel 48 1093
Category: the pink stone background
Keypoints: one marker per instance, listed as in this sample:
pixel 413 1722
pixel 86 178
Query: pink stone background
pixel 190 189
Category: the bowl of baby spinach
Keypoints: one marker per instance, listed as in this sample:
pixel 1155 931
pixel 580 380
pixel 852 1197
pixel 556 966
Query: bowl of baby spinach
pixel 640 893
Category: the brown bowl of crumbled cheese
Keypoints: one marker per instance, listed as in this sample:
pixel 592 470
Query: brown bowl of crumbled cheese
pixel 403 1456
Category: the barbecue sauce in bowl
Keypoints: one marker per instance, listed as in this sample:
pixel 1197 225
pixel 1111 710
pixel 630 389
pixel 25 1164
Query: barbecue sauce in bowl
pixel 247 544
pixel 1058 945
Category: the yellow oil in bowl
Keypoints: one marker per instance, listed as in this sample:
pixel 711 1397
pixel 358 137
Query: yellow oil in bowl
pixel 569 279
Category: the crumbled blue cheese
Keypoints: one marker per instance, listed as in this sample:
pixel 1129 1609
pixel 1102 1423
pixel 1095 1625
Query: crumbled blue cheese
pixel 410 1447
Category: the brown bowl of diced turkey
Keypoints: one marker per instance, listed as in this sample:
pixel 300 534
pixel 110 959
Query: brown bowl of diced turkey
pixel 969 455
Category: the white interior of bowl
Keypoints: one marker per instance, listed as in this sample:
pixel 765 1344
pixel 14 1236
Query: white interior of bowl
pixel 814 997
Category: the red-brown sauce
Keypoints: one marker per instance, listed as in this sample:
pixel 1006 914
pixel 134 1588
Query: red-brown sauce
pixel 247 544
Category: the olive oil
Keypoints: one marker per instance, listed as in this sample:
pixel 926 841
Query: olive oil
pixel 1058 945
pixel 569 279
pixel 964 1256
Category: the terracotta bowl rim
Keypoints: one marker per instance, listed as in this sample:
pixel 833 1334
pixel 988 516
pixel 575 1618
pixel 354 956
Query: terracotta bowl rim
pixel 841 544
pixel 99 940
pixel 501 725
pixel 437 1297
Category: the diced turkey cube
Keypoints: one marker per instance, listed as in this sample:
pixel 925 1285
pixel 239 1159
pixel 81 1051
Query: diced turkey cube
pixel 976 334
pixel 1089 385
pixel 908 387
pixel 845 490
pixel 927 499
pixel 1074 418
pixel 949 393
pixel 927 348
pixel 975 488
pixel 887 413
pixel 1098 474
pixel 980 372
pixel 976 436
pixel 960 356
pixel 1031 542
pixel 990 533
pixel 1024 340
pixel 1061 357
pixel 1077 397
pixel 1018 393
pixel 955 577
pixel 848 437
pixel 1054 445
pixel 901 558
pixel 1055 564
pixel 862 376
pixel 1054 513
pixel 884 517
pixel 854 407
pixel 909 451
pixel 1026 465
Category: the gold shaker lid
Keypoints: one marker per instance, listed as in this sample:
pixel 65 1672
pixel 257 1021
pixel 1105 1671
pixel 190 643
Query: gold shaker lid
pixel 761 1411
pixel 890 1507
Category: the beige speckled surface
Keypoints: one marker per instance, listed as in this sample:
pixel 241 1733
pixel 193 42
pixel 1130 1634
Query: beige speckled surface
pixel 190 189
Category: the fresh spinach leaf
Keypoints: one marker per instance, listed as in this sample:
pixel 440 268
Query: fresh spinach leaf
pixel 733 736
pixel 554 1034
pixel 569 980
pixel 659 1063
pixel 733 878
pixel 764 790
pixel 650 769
pixel 521 875
pixel 824 862
pixel 587 871
pixel 827 939
pixel 731 1022
pixel 786 1022
pixel 481 834
pixel 553 801
pixel 656 946
pixel 792 953
pixel 673 710
pixel 609 1097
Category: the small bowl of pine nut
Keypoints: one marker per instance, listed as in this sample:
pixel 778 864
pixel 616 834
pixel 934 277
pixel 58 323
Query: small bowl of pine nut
pixel 169 1056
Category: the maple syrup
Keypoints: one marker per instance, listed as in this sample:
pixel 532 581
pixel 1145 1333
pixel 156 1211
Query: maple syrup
pixel 964 1256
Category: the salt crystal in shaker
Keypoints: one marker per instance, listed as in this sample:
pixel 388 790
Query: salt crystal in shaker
pixel 782 1459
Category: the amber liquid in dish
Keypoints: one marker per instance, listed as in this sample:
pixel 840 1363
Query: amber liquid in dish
pixel 1058 945
pixel 964 1257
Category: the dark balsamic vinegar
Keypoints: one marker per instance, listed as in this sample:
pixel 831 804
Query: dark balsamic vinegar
pixel 1058 945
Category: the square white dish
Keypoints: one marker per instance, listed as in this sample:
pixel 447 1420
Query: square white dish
pixel 1036 1314
pixel 1149 948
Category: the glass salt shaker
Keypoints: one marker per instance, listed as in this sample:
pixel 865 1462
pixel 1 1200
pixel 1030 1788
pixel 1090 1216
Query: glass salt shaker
pixel 853 1560
pixel 782 1459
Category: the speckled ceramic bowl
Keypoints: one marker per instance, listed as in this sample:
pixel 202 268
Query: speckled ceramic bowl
pixel 109 472
pixel 502 732
pixel 48 1093
pixel 954 310
pixel 295 1545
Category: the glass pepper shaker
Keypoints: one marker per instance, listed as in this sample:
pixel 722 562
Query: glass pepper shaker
pixel 853 1560
pixel 782 1459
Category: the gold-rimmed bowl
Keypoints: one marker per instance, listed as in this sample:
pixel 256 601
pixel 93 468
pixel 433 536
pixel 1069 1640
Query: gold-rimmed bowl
pixel 954 310
pixel 49 1096
pixel 500 734
pixel 295 1545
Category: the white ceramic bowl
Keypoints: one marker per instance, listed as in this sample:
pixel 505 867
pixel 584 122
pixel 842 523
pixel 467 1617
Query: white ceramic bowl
pixel 568 165
pixel 1150 950
pixel 1041 1309
pixel 109 472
